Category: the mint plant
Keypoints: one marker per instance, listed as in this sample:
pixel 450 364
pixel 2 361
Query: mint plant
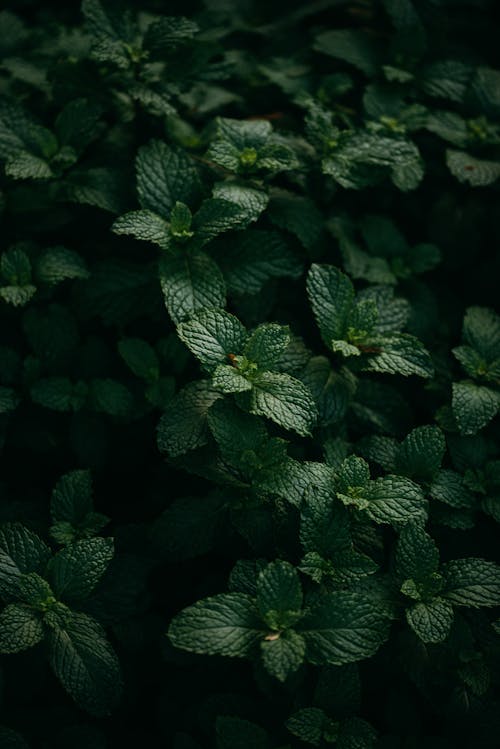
pixel 249 374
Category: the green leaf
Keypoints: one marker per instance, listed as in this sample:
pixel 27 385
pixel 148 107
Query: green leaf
pixel 226 624
pixel 75 571
pixel 394 499
pixel 331 295
pixel 471 582
pixel 85 663
pixel 9 400
pixel 420 454
pixel 165 174
pixel 140 357
pixel 145 226
pixel 187 528
pixel 21 552
pixel 20 628
pixel 266 344
pixel 191 283
pixel 59 394
pixel 279 595
pixel 212 336
pixel 431 621
pixel 72 497
pixel 448 487
pixel 352 46
pixel 467 168
pixel 183 426
pixel 284 655
pixel 401 354
pixel 342 628
pixel 57 264
pixel 228 379
pixel 284 400
pixel 251 258
pixel 110 397
pixel 308 725
pixel 417 555
pixel 235 431
pixel 237 733
pixel 481 331
pixel 473 406
pixel 217 215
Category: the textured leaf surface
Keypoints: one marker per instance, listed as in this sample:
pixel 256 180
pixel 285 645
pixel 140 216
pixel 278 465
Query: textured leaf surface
pixel 75 571
pixel 226 624
pixel 284 400
pixel 20 628
pixel 342 628
pixel 85 663
pixel 472 582
pixel 212 335
pixel 431 621
pixel 191 283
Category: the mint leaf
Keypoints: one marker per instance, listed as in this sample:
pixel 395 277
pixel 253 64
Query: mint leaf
pixel 85 663
pixel 279 595
pixel 342 628
pixel 266 345
pixel 183 426
pixel 471 582
pixel 20 628
pixel 394 499
pixel 75 571
pixel 473 406
pixel 212 336
pixel 401 354
pixel 21 552
pixel 145 226
pixel 226 624
pixel 284 655
pixel 165 174
pixel 431 621
pixel 417 555
pixel 284 400
pixel 331 295
pixel 421 453
pixel 191 283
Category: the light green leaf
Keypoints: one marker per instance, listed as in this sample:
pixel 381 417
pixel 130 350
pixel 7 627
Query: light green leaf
pixel 431 621
pixel 401 354
pixel 284 400
pixel 226 624
pixel 145 226
pixel 266 344
pixel 212 336
pixel 228 379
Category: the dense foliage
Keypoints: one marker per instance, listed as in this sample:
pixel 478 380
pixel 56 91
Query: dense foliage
pixel 249 374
